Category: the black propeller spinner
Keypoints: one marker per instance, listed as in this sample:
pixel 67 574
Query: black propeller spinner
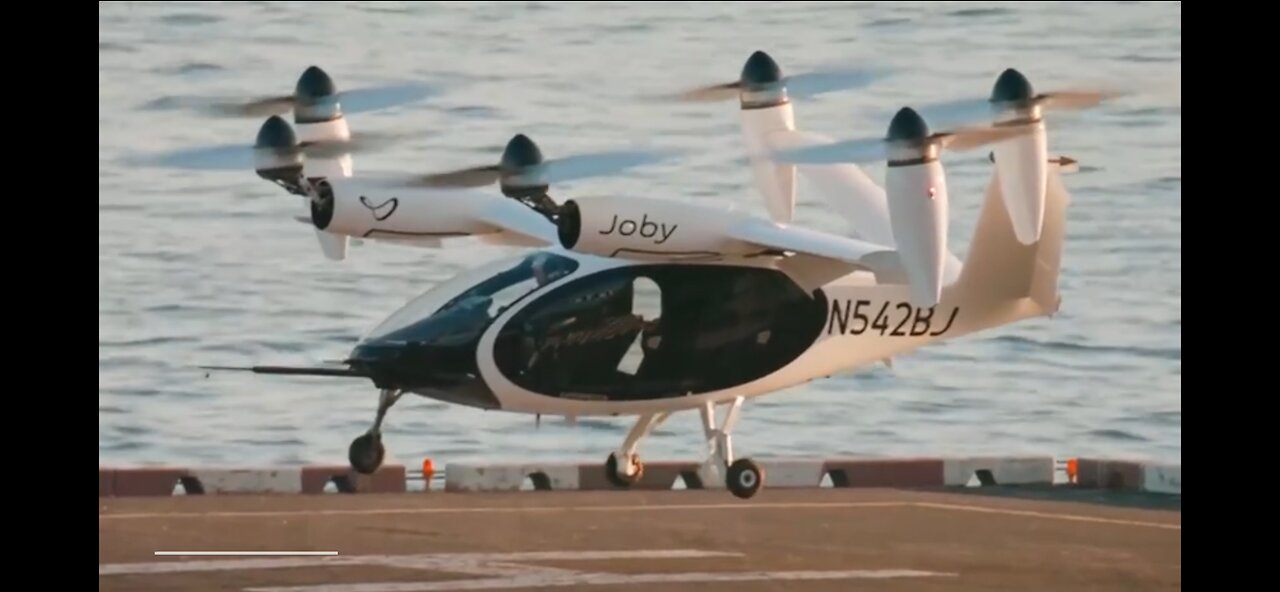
pixel 523 174
pixel 276 154
pixel 522 154
pixel 761 83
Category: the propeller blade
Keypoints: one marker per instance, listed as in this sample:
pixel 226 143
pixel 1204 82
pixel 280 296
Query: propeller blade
pixel 962 112
pixel 313 84
pixel 1077 99
pixel 856 151
pixel 227 107
pixel 906 126
pixel 713 93
pixel 762 73
pixel 241 157
pixel 1011 90
pixel 970 138
pixel 469 177
pixel 264 107
pixel 375 98
pixel 358 143
pixel 582 166
pixel 522 165
pixel 809 84
pixel 229 157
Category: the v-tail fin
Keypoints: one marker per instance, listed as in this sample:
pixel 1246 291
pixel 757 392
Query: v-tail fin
pixel 1000 268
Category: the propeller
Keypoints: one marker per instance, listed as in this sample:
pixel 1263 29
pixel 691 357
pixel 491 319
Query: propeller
pixel 1022 163
pixel 277 134
pixel 1012 98
pixel 761 74
pixel 522 171
pixel 315 96
pixel 907 131
pixel 915 186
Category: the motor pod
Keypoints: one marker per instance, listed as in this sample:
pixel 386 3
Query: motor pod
pixel 361 209
pixel 318 116
pixel 916 188
pixel 648 228
pixel 1022 161
pixel 276 156
pixel 765 108
pixel 519 155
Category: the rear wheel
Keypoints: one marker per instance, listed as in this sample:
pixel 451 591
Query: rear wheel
pixel 744 478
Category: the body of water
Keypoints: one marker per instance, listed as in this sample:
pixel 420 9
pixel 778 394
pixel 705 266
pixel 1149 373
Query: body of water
pixel 209 267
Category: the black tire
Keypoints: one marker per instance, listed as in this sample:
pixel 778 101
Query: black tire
pixel 744 478
pixel 611 472
pixel 366 454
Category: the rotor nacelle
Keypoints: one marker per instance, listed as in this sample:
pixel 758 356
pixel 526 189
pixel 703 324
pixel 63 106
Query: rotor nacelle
pixel 521 155
pixel 917 195
pixel 765 108
pixel 370 209
pixel 1021 162
pixel 764 94
pixel 276 154
pixel 646 228
pixel 318 115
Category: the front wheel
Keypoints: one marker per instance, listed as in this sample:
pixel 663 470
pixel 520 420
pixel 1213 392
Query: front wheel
pixel 366 453
pixel 744 478
pixel 619 478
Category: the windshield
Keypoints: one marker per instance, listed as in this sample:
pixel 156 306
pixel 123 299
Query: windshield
pixel 488 291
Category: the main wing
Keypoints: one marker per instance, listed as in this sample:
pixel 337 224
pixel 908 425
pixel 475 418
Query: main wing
pixel 650 228
pixel 818 257
pixel 846 188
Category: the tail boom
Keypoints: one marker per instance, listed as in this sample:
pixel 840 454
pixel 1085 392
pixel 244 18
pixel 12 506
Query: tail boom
pixel 1002 282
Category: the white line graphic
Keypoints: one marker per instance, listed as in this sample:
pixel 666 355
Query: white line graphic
pixel 240 553
pixel 498 571
pixel 653 508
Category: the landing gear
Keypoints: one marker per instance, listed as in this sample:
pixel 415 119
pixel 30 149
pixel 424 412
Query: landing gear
pixel 745 478
pixel 626 475
pixel 623 467
pixel 366 452
pixel 742 477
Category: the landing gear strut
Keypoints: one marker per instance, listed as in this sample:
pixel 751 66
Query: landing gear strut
pixel 366 451
pixel 742 477
pixel 623 467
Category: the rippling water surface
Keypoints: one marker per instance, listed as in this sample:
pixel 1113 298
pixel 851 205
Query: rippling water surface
pixel 209 268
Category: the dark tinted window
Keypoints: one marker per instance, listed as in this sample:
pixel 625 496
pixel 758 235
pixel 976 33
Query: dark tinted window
pixel 652 331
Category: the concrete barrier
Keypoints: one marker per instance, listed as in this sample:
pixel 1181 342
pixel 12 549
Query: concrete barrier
pixel 1093 473
pixel 1129 475
pixel 999 470
pixel 164 481
pixel 884 472
pixel 1162 478
pixel 542 476
pixel 213 481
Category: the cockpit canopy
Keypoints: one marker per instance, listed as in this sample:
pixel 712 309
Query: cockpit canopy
pixel 462 307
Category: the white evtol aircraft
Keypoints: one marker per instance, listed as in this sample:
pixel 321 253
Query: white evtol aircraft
pixel 647 307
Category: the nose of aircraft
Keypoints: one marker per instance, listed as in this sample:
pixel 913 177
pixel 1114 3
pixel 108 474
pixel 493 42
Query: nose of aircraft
pixel 413 364
pixel 381 360
pixel 377 352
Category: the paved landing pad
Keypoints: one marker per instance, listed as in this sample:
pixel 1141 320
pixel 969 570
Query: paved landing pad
pixel 820 539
